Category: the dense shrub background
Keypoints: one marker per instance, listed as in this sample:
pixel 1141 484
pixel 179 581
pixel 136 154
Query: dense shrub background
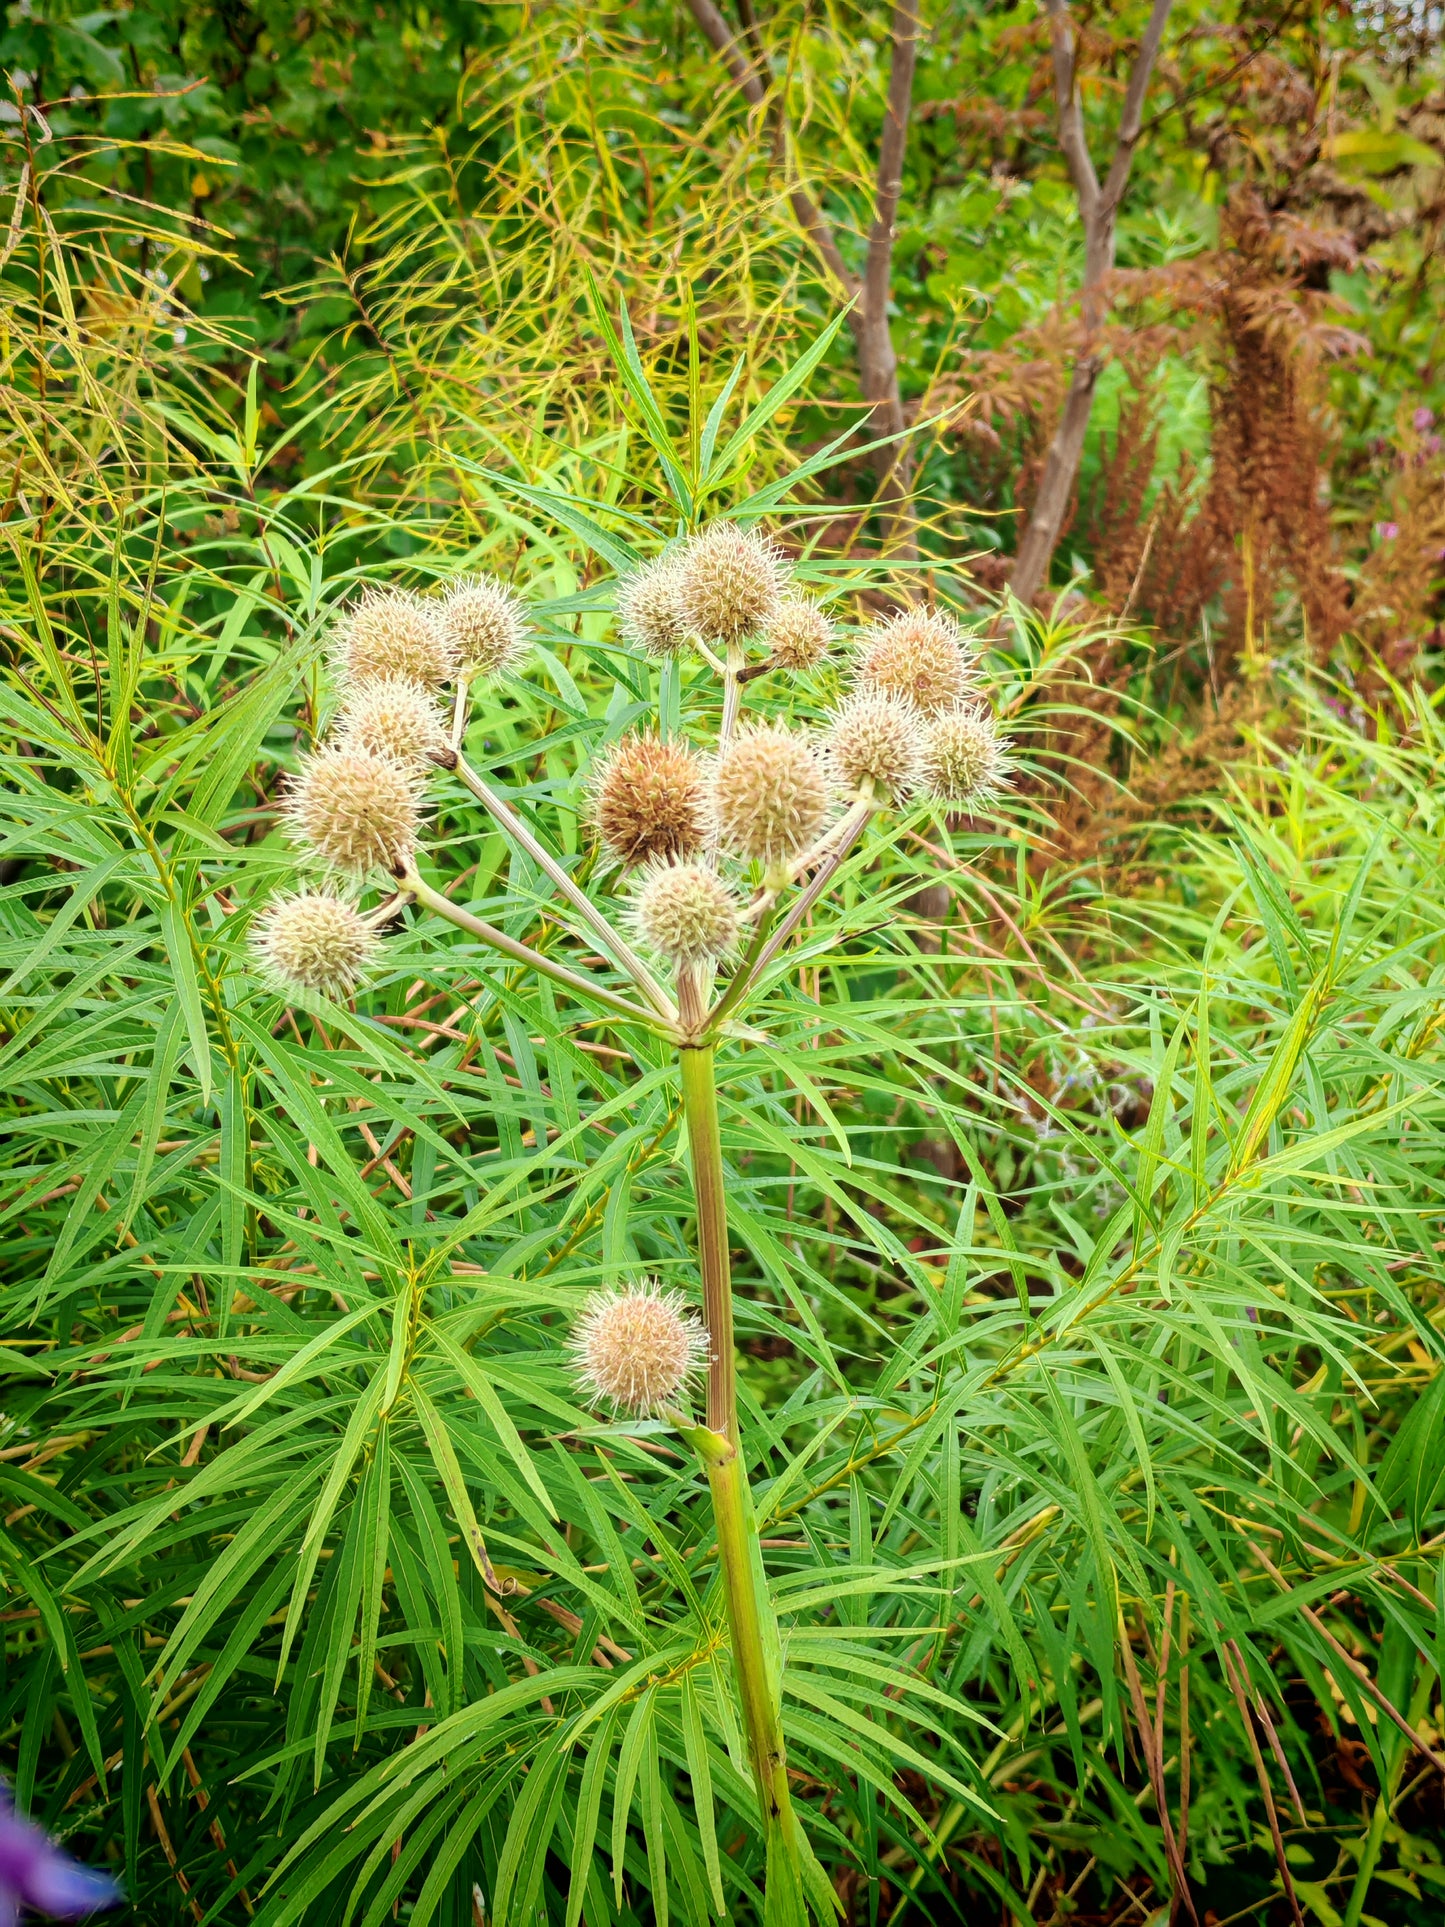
pixel 1088 1211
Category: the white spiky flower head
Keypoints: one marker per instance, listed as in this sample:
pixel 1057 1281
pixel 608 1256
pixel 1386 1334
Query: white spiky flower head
pixel 486 625
pixel 686 913
pixel 355 810
pixel 770 793
pixel 965 759
pixel 921 657
pixel 731 582
pixel 798 634
pixel 313 942
pixel 875 747
pixel 391 632
pixel 649 608
pixel 392 717
pixel 637 1347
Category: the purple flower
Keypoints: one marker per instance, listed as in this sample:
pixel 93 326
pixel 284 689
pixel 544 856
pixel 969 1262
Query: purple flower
pixel 1387 531
pixel 35 1873
pixel 1424 418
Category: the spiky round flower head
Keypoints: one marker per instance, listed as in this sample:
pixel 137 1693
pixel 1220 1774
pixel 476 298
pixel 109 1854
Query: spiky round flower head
pixel 649 799
pixel 770 793
pixel 485 624
pixel 355 809
pixel 731 582
pixel 314 942
pixel 798 633
pixel 920 656
pixel 637 1347
pixel 965 760
pixel 649 609
pixel 686 913
pixel 875 747
pixel 392 717
pixel 393 633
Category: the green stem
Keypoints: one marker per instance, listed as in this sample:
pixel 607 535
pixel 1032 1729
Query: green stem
pixel 521 953
pixel 717 1446
pixel 699 1104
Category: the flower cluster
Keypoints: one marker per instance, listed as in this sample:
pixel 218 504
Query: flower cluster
pixel 355 806
pixel 637 1348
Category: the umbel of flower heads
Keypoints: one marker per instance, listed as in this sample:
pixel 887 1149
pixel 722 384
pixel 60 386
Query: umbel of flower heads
pixel 715 852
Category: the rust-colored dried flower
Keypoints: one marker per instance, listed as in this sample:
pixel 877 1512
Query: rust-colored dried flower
pixel 731 581
pixel 921 657
pixel 355 809
pixel 638 1348
pixel 649 609
pixel 798 634
pixel 686 913
pixel 314 942
pixel 649 799
pixel 965 759
pixel 392 717
pixel 485 624
pixel 770 793
pixel 393 633
pixel 875 747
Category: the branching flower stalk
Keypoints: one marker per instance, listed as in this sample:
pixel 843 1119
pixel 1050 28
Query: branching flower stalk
pixel 724 855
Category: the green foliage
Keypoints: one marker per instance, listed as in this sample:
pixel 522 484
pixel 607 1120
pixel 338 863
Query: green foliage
pixel 1089 1304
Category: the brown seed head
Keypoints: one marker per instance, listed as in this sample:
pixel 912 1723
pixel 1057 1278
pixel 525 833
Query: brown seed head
pixel 875 747
pixel 770 793
pixel 392 717
pixel 357 810
pixel 392 633
pixel 485 625
pixel 730 584
pixel 313 942
pixel 649 613
pixel 638 1347
pixel 965 758
pixel 686 913
pixel 649 799
pixel 798 634
pixel 921 657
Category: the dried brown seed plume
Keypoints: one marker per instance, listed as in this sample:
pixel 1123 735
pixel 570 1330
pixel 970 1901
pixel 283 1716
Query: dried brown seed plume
pixel 649 799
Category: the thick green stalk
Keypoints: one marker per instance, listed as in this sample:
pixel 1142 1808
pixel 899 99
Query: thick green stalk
pixel 718 1447
pixel 699 1104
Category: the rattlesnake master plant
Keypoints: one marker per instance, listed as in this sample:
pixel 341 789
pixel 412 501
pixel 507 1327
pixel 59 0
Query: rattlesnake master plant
pixel 716 843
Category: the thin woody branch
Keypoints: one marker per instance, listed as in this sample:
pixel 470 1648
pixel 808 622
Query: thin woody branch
pixel 1099 210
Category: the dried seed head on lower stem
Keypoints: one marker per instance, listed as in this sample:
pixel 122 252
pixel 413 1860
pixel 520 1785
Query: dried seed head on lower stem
pixel 314 942
pixel 875 747
pixel 486 625
pixel 392 717
pixel 920 657
pixel 731 581
pixel 355 810
pixel 393 633
pixel 686 913
pixel 965 759
pixel 770 794
pixel 649 799
pixel 637 1347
